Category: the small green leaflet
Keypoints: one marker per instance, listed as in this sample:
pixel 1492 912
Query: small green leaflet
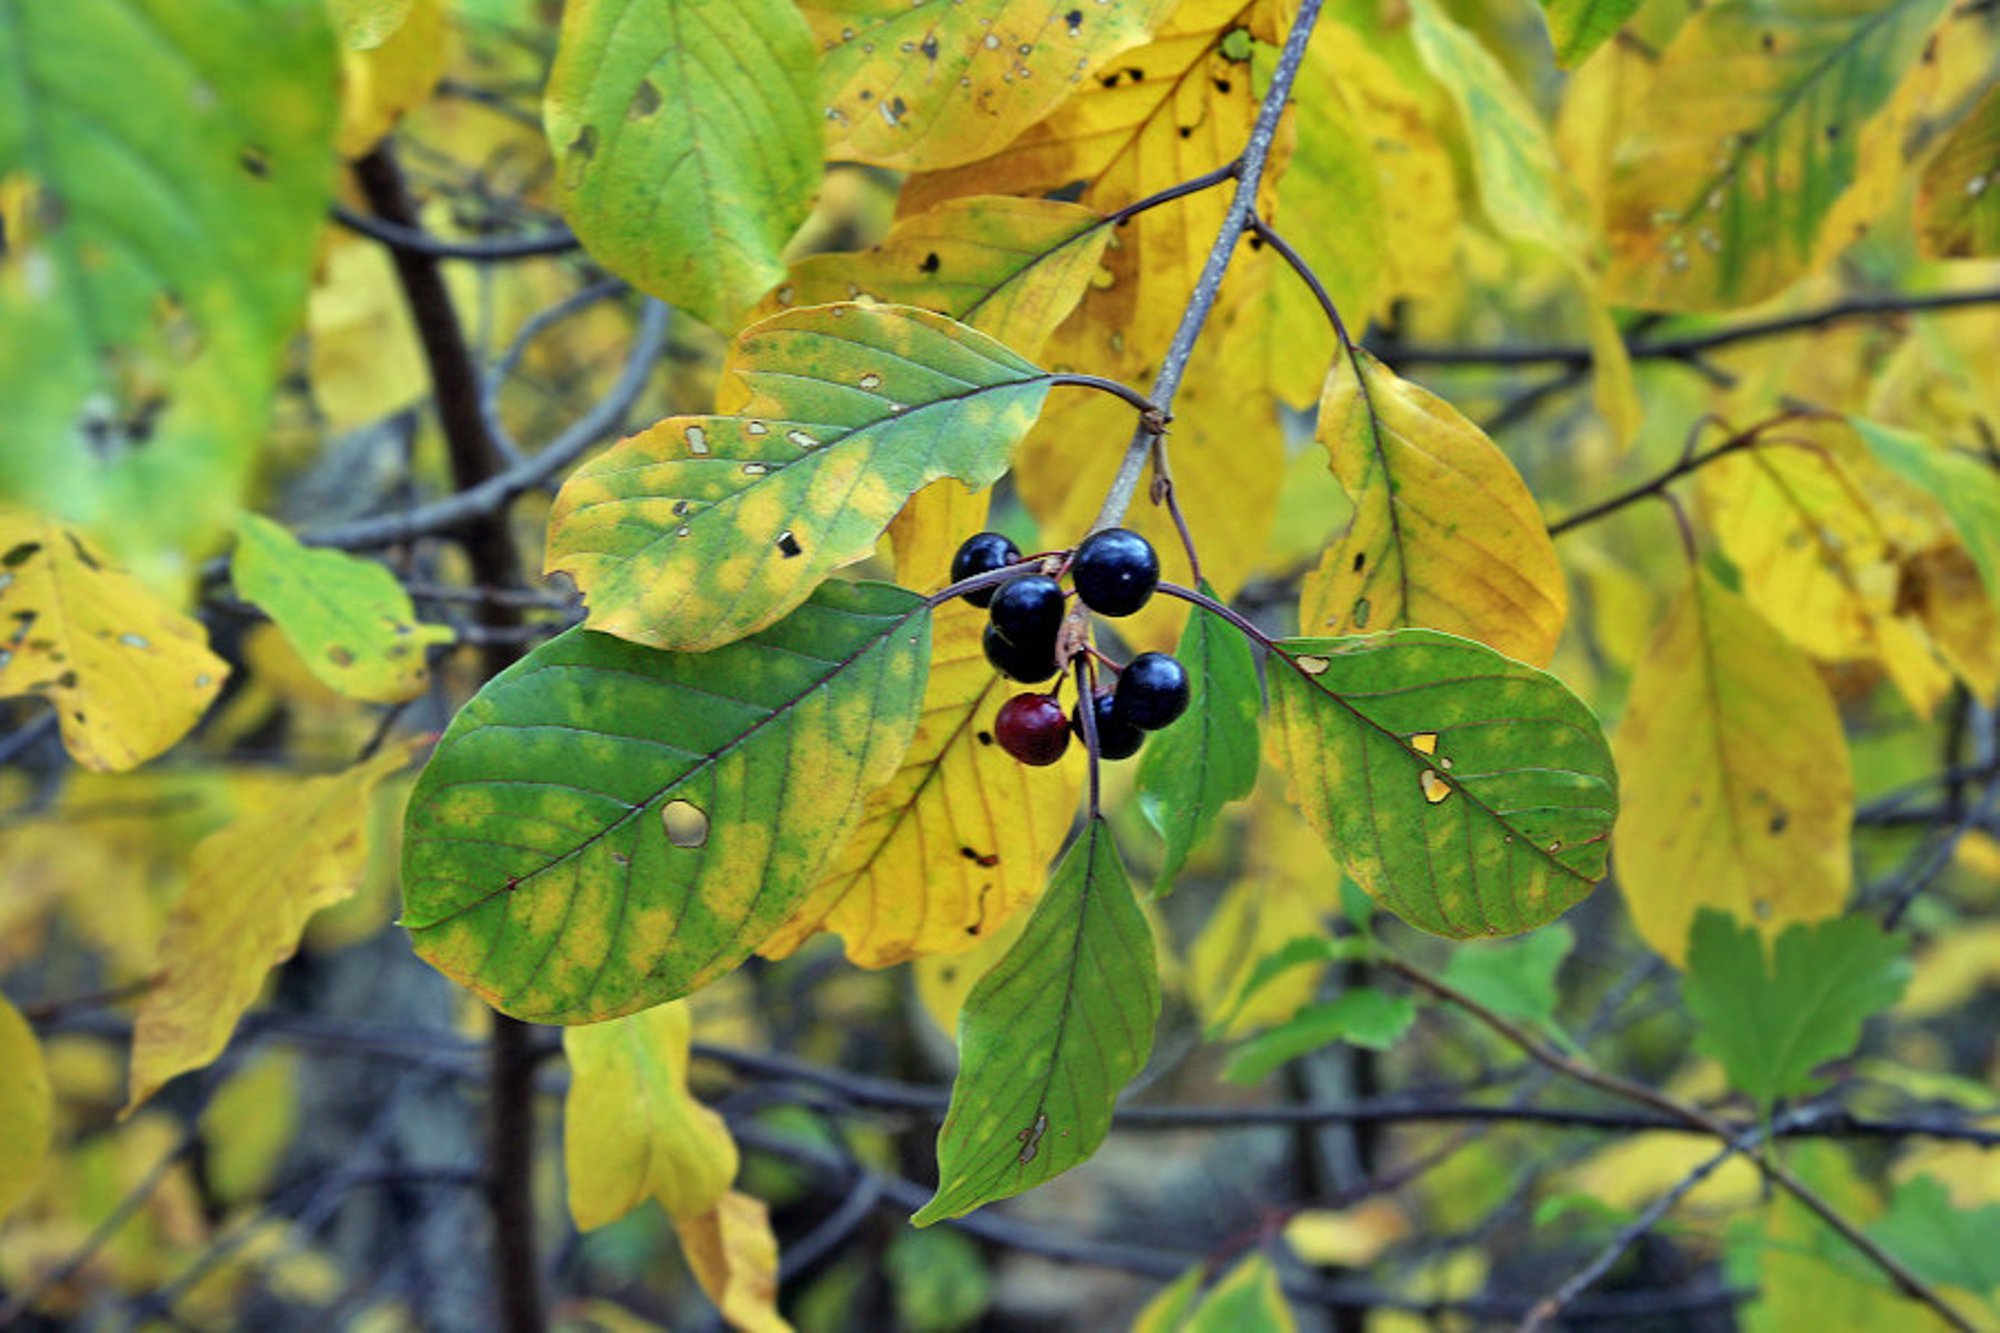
pixel 1772 1023
pixel 1363 1016
pixel 1302 951
pixel 1467 793
pixel 702 529
pixel 1516 979
pixel 349 620
pixel 687 143
pixel 1941 1243
pixel 607 827
pixel 1578 27
pixel 1247 1300
pixel 1209 757
pixel 1049 1036
pixel 1968 488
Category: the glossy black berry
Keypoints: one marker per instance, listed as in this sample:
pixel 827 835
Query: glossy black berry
pixel 982 553
pixel 1116 571
pixel 1116 738
pixel 1029 610
pixel 1032 728
pixel 1152 691
pixel 1031 664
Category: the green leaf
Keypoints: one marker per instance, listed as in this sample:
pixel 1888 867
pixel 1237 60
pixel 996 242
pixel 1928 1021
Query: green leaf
pixel 169 167
pixel 1967 487
pixel 1772 1024
pixel 1751 133
pixel 1049 1036
pixel 1517 979
pixel 350 621
pixel 939 1280
pixel 1467 793
pixel 1247 1300
pixel 607 827
pixel 687 143
pixel 1209 757
pixel 1950 1246
pixel 1578 27
pixel 1302 951
pixel 1363 1017
pixel 696 532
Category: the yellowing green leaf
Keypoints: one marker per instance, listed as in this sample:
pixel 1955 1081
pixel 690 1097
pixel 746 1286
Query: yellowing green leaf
pixel 932 84
pixel 1958 208
pixel 1049 1036
pixel 734 1256
pixel 1468 794
pixel 1737 791
pixel 1248 1299
pixel 1011 268
pixel 960 839
pixel 1578 27
pixel 632 1130
pixel 702 529
pixel 383 79
pixel 943 981
pixel 363 24
pixel 1718 198
pixel 607 827
pixel 687 143
pixel 26 1107
pixel 253 885
pixel 351 622
pixel 176 162
pixel 249 1124
pixel 126 672
pixel 1445 534
pixel 1168 1309
pixel 1967 487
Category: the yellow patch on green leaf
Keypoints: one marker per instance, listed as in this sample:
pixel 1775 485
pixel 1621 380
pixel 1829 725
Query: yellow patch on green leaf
pixel 126 672
pixel 26 1107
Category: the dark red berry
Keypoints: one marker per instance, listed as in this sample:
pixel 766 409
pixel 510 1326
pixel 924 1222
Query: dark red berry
pixel 982 553
pixel 1116 571
pixel 1032 728
pixel 1116 738
pixel 1029 610
pixel 1152 691
pixel 1029 665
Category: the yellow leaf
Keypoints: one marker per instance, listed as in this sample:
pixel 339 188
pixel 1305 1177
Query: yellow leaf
pixel 26 1107
pixel 127 673
pixel 1445 533
pixel 928 84
pixel 1011 268
pixel 1952 969
pixel 1631 1172
pixel 735 1258
pixel 248 1124
pixel 1419 192
pixel 928 530
pixel 362 24
pixel 631 1128
pixel 960 839
pixel 253 886
pixel 1810 525
pixel 382 79
pixel 944 980
pixel 1943 588
pixel 1736 790
pixel 366 363
pixel 1958 204
pixel 1351 1238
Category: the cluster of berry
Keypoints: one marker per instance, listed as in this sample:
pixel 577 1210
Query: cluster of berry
pixel 1114 572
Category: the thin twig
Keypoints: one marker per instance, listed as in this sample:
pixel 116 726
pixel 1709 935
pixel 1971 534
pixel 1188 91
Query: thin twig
pixel 409 239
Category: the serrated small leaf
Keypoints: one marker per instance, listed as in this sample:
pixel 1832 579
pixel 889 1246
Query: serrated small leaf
pixel 1467 793
pixel 700 530
pixel 350 621
pixel 1445 534
pixel 1516 979
pixel 1362 1017
pixel 687 143
pixel 1940 1242
pixel 1209 757
pixel 1967 487
pixel 1048 1037
pixel 608 827
pixel 1773 1021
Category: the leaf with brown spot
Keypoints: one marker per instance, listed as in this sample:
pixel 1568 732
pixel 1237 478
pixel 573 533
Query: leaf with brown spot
pixel 127 673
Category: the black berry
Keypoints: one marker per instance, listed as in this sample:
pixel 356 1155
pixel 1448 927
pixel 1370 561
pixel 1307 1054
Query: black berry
pixel 982 553
pixel 1152 691
pixel 1030 664
pixel 1116 571
pixel 1029 610
pixel 1116 738
pixel 1032 728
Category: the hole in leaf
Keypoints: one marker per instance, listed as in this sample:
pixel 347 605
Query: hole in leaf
pixel 685 823
pixel 1424 742
pixel 1435 788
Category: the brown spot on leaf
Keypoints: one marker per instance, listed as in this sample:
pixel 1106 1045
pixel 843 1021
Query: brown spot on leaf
pixel 20 555
pixel 645 101
pixel 255 160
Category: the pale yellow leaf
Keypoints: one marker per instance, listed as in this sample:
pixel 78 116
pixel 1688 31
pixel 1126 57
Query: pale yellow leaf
pixel 26 1107
pixel 248 1125
pixel 631 1128
pixel 1350 1237
pixel 383 79
pixel 1633 1171
pixel 127 673
pixel 253 886
pixel 735 1258
pixel 960 839
pixel 366 363
pixel 1734 777
pixel 1445 535
pixel 928 531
